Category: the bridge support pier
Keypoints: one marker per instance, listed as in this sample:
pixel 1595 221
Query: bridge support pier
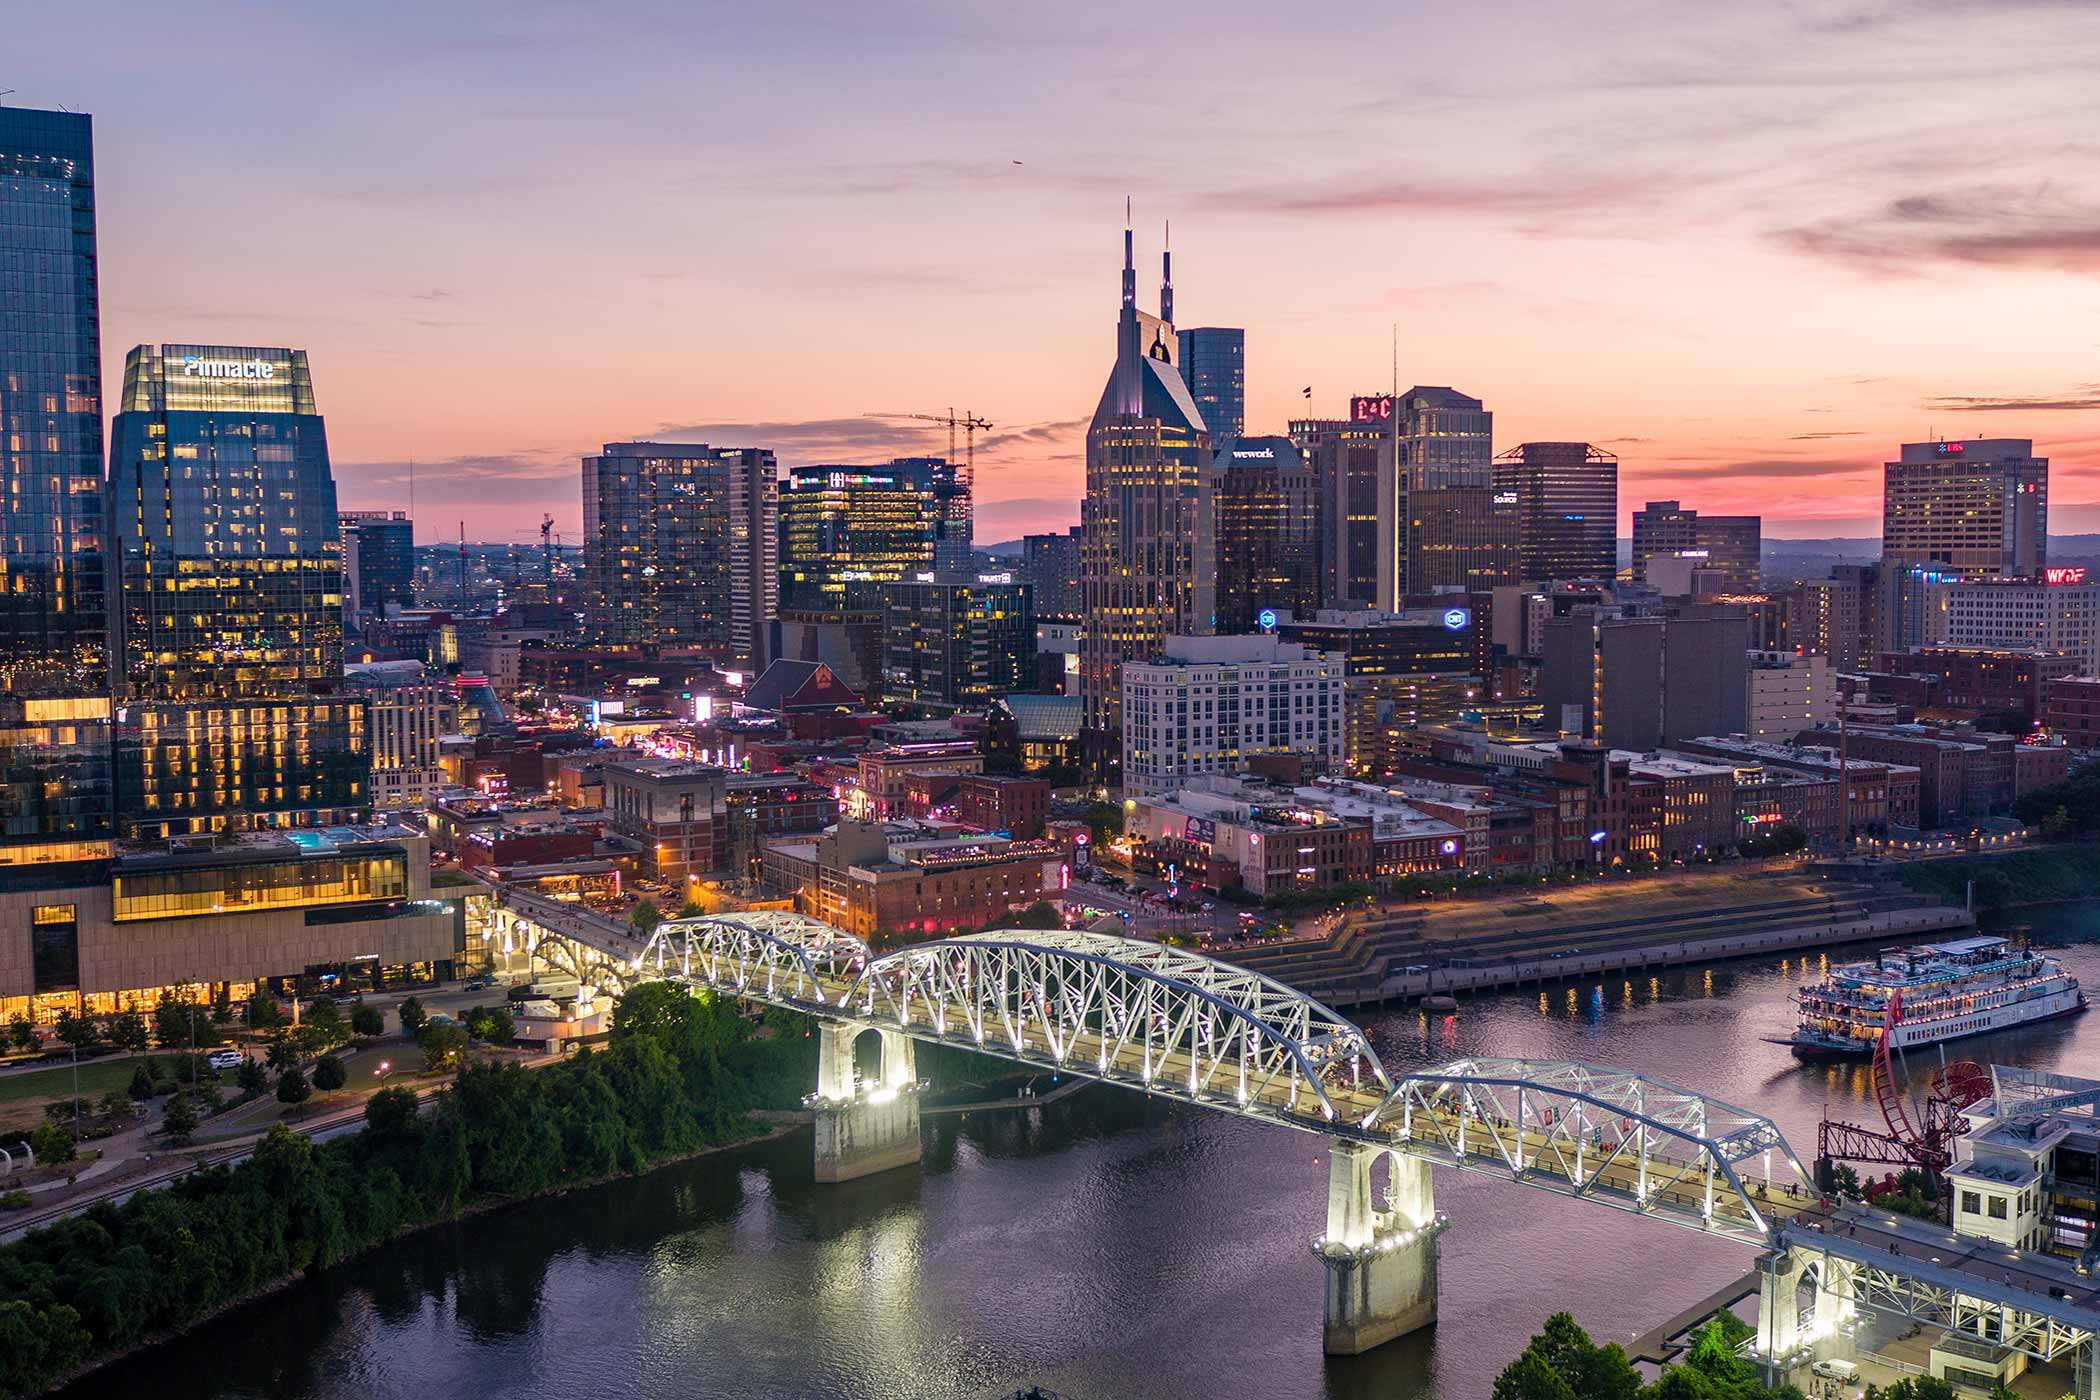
pixel 1835 1309
pixel 864 1126
pixel 1381 1262
pixel 1778 1311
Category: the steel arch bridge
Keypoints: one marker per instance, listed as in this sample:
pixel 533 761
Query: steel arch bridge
pixel 1178 1025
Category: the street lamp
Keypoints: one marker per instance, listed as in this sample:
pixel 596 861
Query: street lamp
pixel 380 1073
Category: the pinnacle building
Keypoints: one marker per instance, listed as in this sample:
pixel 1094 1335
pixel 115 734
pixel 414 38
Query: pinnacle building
pixel 1567 500
pixel 55 792
pixel 229 683
pixel 1146 522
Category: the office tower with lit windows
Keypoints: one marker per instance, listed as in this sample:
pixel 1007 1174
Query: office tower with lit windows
pixel 1463 538
pixel 379 562
pixel 846 531
pixel 680 548
pixel 1352 460
pixel 1214 366
pixel 1567 498
pixel 1728 546
pixel 230 571
pixel 951 640
pixel 1145 524
pixel 1051 565
pixel 1446 439
pixel 1978 507
pixel 55 781
pixel 1266 532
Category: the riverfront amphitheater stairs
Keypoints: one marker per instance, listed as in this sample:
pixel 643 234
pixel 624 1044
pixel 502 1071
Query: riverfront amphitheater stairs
pixel 1351 963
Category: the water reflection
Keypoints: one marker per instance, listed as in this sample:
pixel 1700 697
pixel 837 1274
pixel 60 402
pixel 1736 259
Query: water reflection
pixel 1103 1245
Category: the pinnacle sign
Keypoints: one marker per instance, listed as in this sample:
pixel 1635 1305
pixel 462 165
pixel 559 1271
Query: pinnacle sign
pixel 194 367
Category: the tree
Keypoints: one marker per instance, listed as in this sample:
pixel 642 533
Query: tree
pixel 292 1088
pixel 413 1018
pixel 646 915
pixel 490 1023
pixel 390 1113
pixel 80 1032
pixel 444 1045
pixel 1040 914
pixel 329 1073
pixel 367 1021
pixel 51 1143
pixel 22 1031
pixel 690 909
pixel 251 1076
pixel 178 1021
pixel 127 1031
pixel 282 1054
pixel 322 1028
pixel 141 1084
pixel 264 1014
pixel 180 1121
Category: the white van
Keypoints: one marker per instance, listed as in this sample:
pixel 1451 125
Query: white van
pixel 1835 1370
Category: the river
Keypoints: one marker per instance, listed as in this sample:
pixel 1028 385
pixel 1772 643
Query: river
pixel 1103 1246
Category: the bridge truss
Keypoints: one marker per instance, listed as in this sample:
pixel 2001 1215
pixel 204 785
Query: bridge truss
pixel 1624 1140
pixel 1178 1025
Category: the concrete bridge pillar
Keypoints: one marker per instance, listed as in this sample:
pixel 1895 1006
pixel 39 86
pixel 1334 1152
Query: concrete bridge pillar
pixel 864 1126
pixel 1380 1258
pixel 1778 1308
pixel 1835 1308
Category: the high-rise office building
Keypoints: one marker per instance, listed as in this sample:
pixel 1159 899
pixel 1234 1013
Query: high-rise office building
pixel 1979 506
pixel 1051 564
pixel 956 639
pixel 1352 459
pixel 1146 520
pixel 847 531
pixel 230 570
pixel 1214 366
pixel 1266 532
pixel 1460 537
pixel 680 546
pixel 55 792
pixel 379 562
pixel 1727 546
pixel 1567 499
pixel 1447 439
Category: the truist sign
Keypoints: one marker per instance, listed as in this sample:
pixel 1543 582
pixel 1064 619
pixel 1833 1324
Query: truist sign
pixel 194 367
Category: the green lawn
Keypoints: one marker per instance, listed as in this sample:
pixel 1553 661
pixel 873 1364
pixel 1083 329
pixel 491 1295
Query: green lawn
pixel 97 1077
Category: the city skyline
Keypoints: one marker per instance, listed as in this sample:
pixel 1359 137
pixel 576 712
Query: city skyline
pixel 1746 260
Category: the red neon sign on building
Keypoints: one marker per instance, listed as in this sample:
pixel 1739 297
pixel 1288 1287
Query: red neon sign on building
pixel 2059 574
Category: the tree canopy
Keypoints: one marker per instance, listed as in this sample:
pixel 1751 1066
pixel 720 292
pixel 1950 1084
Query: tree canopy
pixel 1563 1363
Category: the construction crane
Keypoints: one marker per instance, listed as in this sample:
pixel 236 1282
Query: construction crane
pixel 966 469
pixel 547 546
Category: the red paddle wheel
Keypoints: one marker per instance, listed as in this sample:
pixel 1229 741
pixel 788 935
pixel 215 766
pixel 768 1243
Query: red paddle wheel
pixel 1906 1144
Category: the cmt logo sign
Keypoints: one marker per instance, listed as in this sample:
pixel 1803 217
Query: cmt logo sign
pixel 194 367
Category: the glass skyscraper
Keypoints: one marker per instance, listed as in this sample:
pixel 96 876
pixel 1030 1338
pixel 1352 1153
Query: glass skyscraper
pixel 1214 366
pixel 230 664
pixel 54 659
pixel 846 531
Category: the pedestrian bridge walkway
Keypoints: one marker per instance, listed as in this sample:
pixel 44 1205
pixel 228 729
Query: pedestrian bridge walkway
pixel 1177 1025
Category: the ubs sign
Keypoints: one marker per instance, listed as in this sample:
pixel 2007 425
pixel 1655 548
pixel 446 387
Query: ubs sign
pixel 195 367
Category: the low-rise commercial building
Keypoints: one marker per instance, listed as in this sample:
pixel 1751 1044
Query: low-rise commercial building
pixel 1977 681
pixel 342 906
pixel 676 813
pixel 2071 711
pixel 1882 795
pixel 900 879
pixel 2058 611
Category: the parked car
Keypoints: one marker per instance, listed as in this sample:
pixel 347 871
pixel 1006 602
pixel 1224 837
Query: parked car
pixel 478 981
pixel 225 1059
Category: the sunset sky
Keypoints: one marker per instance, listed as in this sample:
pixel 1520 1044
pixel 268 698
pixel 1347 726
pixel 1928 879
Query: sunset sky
pixel 1748 248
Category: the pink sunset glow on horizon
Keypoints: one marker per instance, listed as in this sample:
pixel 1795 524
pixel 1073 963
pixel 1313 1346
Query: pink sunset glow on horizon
pixel 1748 250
